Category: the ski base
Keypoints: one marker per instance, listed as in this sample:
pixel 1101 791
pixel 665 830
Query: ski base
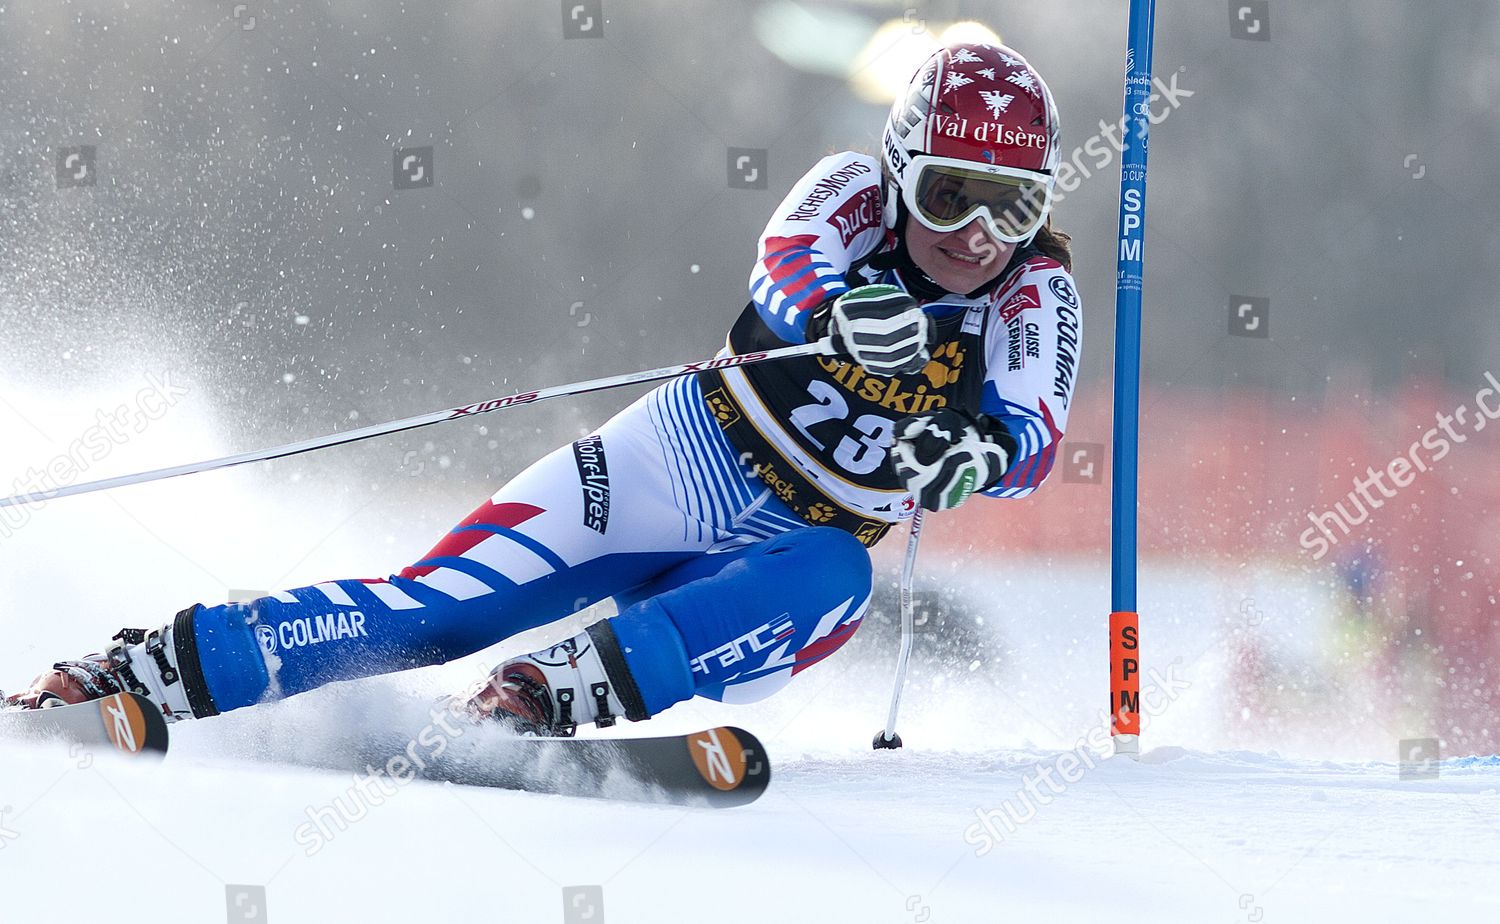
pixel 128 723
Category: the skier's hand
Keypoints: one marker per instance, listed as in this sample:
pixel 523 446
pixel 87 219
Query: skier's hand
pixel 880 327
pixel 944 456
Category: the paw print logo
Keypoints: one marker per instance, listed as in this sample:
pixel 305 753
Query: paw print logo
pixel 819 513
pixel 724 412
pixel 870 532
pixel 945 365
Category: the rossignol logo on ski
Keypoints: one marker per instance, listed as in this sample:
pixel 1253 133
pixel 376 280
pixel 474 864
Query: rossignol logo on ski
pixel 123 722
pixel 720 758
pixel 593 478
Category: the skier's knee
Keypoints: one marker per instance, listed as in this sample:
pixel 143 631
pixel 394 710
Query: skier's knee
pixel 837 560
pixel 727 636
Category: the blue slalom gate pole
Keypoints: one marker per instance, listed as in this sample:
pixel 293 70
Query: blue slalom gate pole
pixel 1124 621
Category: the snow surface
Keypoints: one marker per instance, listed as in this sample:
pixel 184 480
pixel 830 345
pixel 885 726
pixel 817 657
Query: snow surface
pixel 844 834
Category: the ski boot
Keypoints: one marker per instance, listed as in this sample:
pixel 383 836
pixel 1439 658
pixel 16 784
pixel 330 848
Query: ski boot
pixel 549 693
pixel 161 665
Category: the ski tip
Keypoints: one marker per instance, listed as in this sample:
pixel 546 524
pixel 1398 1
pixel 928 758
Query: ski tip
pixel 732 762
pixel 133 725
pixel 123 723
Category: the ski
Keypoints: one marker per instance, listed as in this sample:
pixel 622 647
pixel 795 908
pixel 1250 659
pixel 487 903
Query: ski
pixel 126 722
pixel 717 768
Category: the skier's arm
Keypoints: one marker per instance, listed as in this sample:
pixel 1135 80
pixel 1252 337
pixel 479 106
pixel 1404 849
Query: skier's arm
pixel 829 218
pixel 1029 390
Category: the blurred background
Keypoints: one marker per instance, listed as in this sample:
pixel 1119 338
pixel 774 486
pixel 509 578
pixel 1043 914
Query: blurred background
pixel 314 216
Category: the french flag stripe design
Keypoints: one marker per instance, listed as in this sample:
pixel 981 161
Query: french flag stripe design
pixel 518 562
pixel 335 594
pixel 393 597
pixel 455 584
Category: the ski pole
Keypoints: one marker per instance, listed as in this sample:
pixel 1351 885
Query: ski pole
pixel 823 347
pixel 1124 611
pixel 888 738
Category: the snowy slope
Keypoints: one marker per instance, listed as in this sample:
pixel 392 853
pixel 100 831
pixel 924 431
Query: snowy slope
pixel 844 835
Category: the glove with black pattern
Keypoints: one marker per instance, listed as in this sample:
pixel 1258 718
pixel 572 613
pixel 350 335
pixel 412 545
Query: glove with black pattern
pixel 879 326
pixel 944 456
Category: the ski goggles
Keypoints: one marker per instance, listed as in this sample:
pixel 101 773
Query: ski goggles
pixel 944 193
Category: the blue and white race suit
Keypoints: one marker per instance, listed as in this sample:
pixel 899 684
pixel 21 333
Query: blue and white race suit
pixel 727 514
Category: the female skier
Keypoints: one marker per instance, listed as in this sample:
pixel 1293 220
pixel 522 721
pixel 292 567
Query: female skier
pixel 727 514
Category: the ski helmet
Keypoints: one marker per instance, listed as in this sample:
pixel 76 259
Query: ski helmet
pixel 975 133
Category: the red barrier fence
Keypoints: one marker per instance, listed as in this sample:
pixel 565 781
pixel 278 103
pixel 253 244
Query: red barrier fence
pixel 1233 478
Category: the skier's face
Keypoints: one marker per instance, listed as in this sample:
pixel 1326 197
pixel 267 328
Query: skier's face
pixel 960 260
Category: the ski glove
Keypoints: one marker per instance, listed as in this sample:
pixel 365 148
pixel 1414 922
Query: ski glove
pixel 944 456
pixel 879 326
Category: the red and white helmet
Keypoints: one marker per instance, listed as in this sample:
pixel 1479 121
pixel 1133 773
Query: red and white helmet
pixel 976 133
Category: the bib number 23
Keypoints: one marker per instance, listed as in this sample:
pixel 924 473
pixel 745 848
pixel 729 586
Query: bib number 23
pixel 863 448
